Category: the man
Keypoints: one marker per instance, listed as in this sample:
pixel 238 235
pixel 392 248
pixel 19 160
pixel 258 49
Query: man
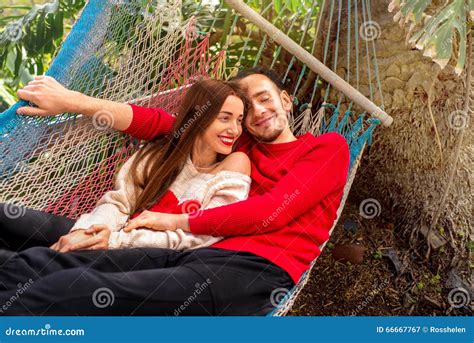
pixel 270 238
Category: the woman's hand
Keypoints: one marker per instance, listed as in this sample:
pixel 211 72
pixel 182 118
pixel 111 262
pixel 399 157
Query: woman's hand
pixel 65 242
pixel 99 239
pixel 158 221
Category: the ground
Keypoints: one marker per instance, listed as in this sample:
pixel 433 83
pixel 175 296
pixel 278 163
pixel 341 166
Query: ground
pixel 373 287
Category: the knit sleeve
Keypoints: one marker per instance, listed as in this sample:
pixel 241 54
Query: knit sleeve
pixel 223 189
pixel 227 187
pixel 149 123
pixel 322 172
pixel 114 208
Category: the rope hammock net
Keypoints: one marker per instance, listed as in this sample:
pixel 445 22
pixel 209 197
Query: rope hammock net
pixel 146 52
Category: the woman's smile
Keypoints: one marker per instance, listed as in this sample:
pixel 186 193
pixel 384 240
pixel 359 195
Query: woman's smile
pixel 226 140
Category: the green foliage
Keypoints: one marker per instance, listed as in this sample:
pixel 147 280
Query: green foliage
pixel 29 37
pixel 378 255
pixel 245 43
pixel 442 35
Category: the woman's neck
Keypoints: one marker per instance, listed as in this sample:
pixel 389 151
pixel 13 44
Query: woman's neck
pixel 202 156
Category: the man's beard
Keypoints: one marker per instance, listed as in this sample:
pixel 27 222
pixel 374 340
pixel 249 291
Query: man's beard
pixel 279 125
pixel 269 137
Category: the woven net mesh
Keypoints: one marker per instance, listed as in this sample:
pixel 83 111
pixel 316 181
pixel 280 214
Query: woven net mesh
pixel 63 165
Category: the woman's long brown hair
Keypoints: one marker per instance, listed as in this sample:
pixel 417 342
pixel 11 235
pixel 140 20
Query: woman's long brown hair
pixel 164 158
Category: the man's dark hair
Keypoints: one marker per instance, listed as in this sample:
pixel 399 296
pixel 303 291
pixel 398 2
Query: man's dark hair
pixel 263 71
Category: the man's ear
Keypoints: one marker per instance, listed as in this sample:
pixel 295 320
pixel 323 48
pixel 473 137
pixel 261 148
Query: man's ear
pixel 286 101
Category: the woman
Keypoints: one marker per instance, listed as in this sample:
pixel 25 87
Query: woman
pixel 192 168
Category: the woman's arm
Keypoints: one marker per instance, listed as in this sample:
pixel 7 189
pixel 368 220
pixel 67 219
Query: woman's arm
pixel 114 208
pixel 228 186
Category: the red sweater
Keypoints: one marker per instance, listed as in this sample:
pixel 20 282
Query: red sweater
pixel 295 193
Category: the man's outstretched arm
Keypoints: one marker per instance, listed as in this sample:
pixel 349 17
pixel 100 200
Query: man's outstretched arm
pixel 52 98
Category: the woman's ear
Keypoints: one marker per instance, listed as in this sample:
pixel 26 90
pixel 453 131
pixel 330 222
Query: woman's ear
pixel 286 101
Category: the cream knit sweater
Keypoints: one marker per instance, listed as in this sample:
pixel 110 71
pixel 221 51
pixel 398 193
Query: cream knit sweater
pixel 211 190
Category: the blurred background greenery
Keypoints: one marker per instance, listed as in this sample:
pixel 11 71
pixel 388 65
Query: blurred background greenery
pixel 26 49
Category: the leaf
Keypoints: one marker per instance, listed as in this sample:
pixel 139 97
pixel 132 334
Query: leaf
pixel 277 5
pixel 39 41
pixel 5 95
pixel 438 35
pixel 295 4
pixel 414 8
pixel 18 60
pixel 58 27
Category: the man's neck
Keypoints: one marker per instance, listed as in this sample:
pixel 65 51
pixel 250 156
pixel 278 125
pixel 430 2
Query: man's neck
pixel 285 137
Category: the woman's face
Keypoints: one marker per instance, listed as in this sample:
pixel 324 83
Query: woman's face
pixel 221 135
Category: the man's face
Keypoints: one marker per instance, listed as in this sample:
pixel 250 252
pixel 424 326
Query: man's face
pixel 268 116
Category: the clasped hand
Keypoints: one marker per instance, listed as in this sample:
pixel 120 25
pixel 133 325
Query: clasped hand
pixel 94 238
pixel 157 221
pixel 97 236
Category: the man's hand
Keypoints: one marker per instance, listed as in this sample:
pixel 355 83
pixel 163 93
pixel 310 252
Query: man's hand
pixel 52 98
pixel 49 95
pixel 158 221
pixel 98 240
pixel 65 242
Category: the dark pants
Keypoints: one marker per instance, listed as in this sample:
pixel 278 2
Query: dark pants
pixel 206 281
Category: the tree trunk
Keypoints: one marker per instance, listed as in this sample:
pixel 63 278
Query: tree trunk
pixel 405 169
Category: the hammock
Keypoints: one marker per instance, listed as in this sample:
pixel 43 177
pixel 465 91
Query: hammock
pixel 146 52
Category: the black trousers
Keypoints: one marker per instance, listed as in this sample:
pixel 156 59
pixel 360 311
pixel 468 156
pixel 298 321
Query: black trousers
pixel 207 281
